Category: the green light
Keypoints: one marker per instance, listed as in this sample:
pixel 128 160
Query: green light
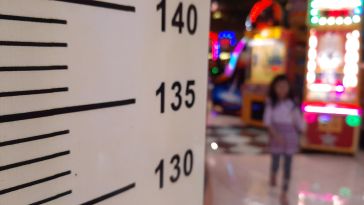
pixel 215 70
pixel 345 192
pixel 313 4
pixel 314 12
pixel 353 121
pixel 315 20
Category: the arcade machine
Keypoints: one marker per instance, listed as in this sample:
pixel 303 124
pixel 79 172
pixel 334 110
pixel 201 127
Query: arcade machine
pixel 269 47
pixel 332 103
pixel 225 72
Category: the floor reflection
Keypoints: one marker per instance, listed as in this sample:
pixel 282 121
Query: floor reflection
pixel 238 169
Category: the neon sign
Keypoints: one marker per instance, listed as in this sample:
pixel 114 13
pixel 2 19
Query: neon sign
pixel 335 12
pixel 230 68
pixel 332 109
pixel 215 47
pixel 259 8
pixel 229 35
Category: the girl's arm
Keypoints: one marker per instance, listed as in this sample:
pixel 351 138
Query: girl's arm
pixel 299 122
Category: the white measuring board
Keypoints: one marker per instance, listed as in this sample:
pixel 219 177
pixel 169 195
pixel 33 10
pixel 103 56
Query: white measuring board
pixel 102 102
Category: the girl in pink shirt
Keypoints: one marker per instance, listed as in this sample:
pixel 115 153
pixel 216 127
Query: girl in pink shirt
pixel 284 121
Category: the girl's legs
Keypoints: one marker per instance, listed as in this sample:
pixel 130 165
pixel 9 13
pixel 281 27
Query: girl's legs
pixel 286 178
pixel 287 171
pixel 274 169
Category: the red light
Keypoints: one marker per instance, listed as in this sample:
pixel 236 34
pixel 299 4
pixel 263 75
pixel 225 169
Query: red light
pixel 310 118
pixel 225 43
pixel 214 41
pixel 214 36
pixel 337 13
pixel 258 8
pixel 275 68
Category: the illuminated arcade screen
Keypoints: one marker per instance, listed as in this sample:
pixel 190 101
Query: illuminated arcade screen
pixel 268 60
pixel 333 69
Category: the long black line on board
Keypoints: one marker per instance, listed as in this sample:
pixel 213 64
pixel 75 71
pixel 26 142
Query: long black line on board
pixel 110 195
pixel 29 184
pixel 32 44
pixel 33 138
pixel 33 161
pixel 32 92
pixel 32 68
pixel 63 110
pixel 101 4
pixel 32 19
pixel 52 198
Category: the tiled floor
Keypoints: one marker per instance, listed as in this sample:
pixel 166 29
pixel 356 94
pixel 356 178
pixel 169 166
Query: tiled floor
pixel 317 179
pixel 238 139
pixel 238 170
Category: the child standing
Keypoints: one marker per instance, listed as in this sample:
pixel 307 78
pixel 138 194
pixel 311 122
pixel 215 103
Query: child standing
pixel 284 122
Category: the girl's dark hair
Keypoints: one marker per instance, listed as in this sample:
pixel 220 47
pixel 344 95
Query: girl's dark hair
pixel 272 93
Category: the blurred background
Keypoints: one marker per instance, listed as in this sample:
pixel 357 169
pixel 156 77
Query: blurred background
pixel 317 45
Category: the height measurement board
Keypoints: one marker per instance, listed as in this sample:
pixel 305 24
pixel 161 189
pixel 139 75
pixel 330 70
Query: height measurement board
pixel 102 102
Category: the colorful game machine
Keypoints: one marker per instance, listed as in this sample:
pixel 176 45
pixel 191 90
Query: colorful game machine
pixel 331 108
pixel 226 72
pixel 269 47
